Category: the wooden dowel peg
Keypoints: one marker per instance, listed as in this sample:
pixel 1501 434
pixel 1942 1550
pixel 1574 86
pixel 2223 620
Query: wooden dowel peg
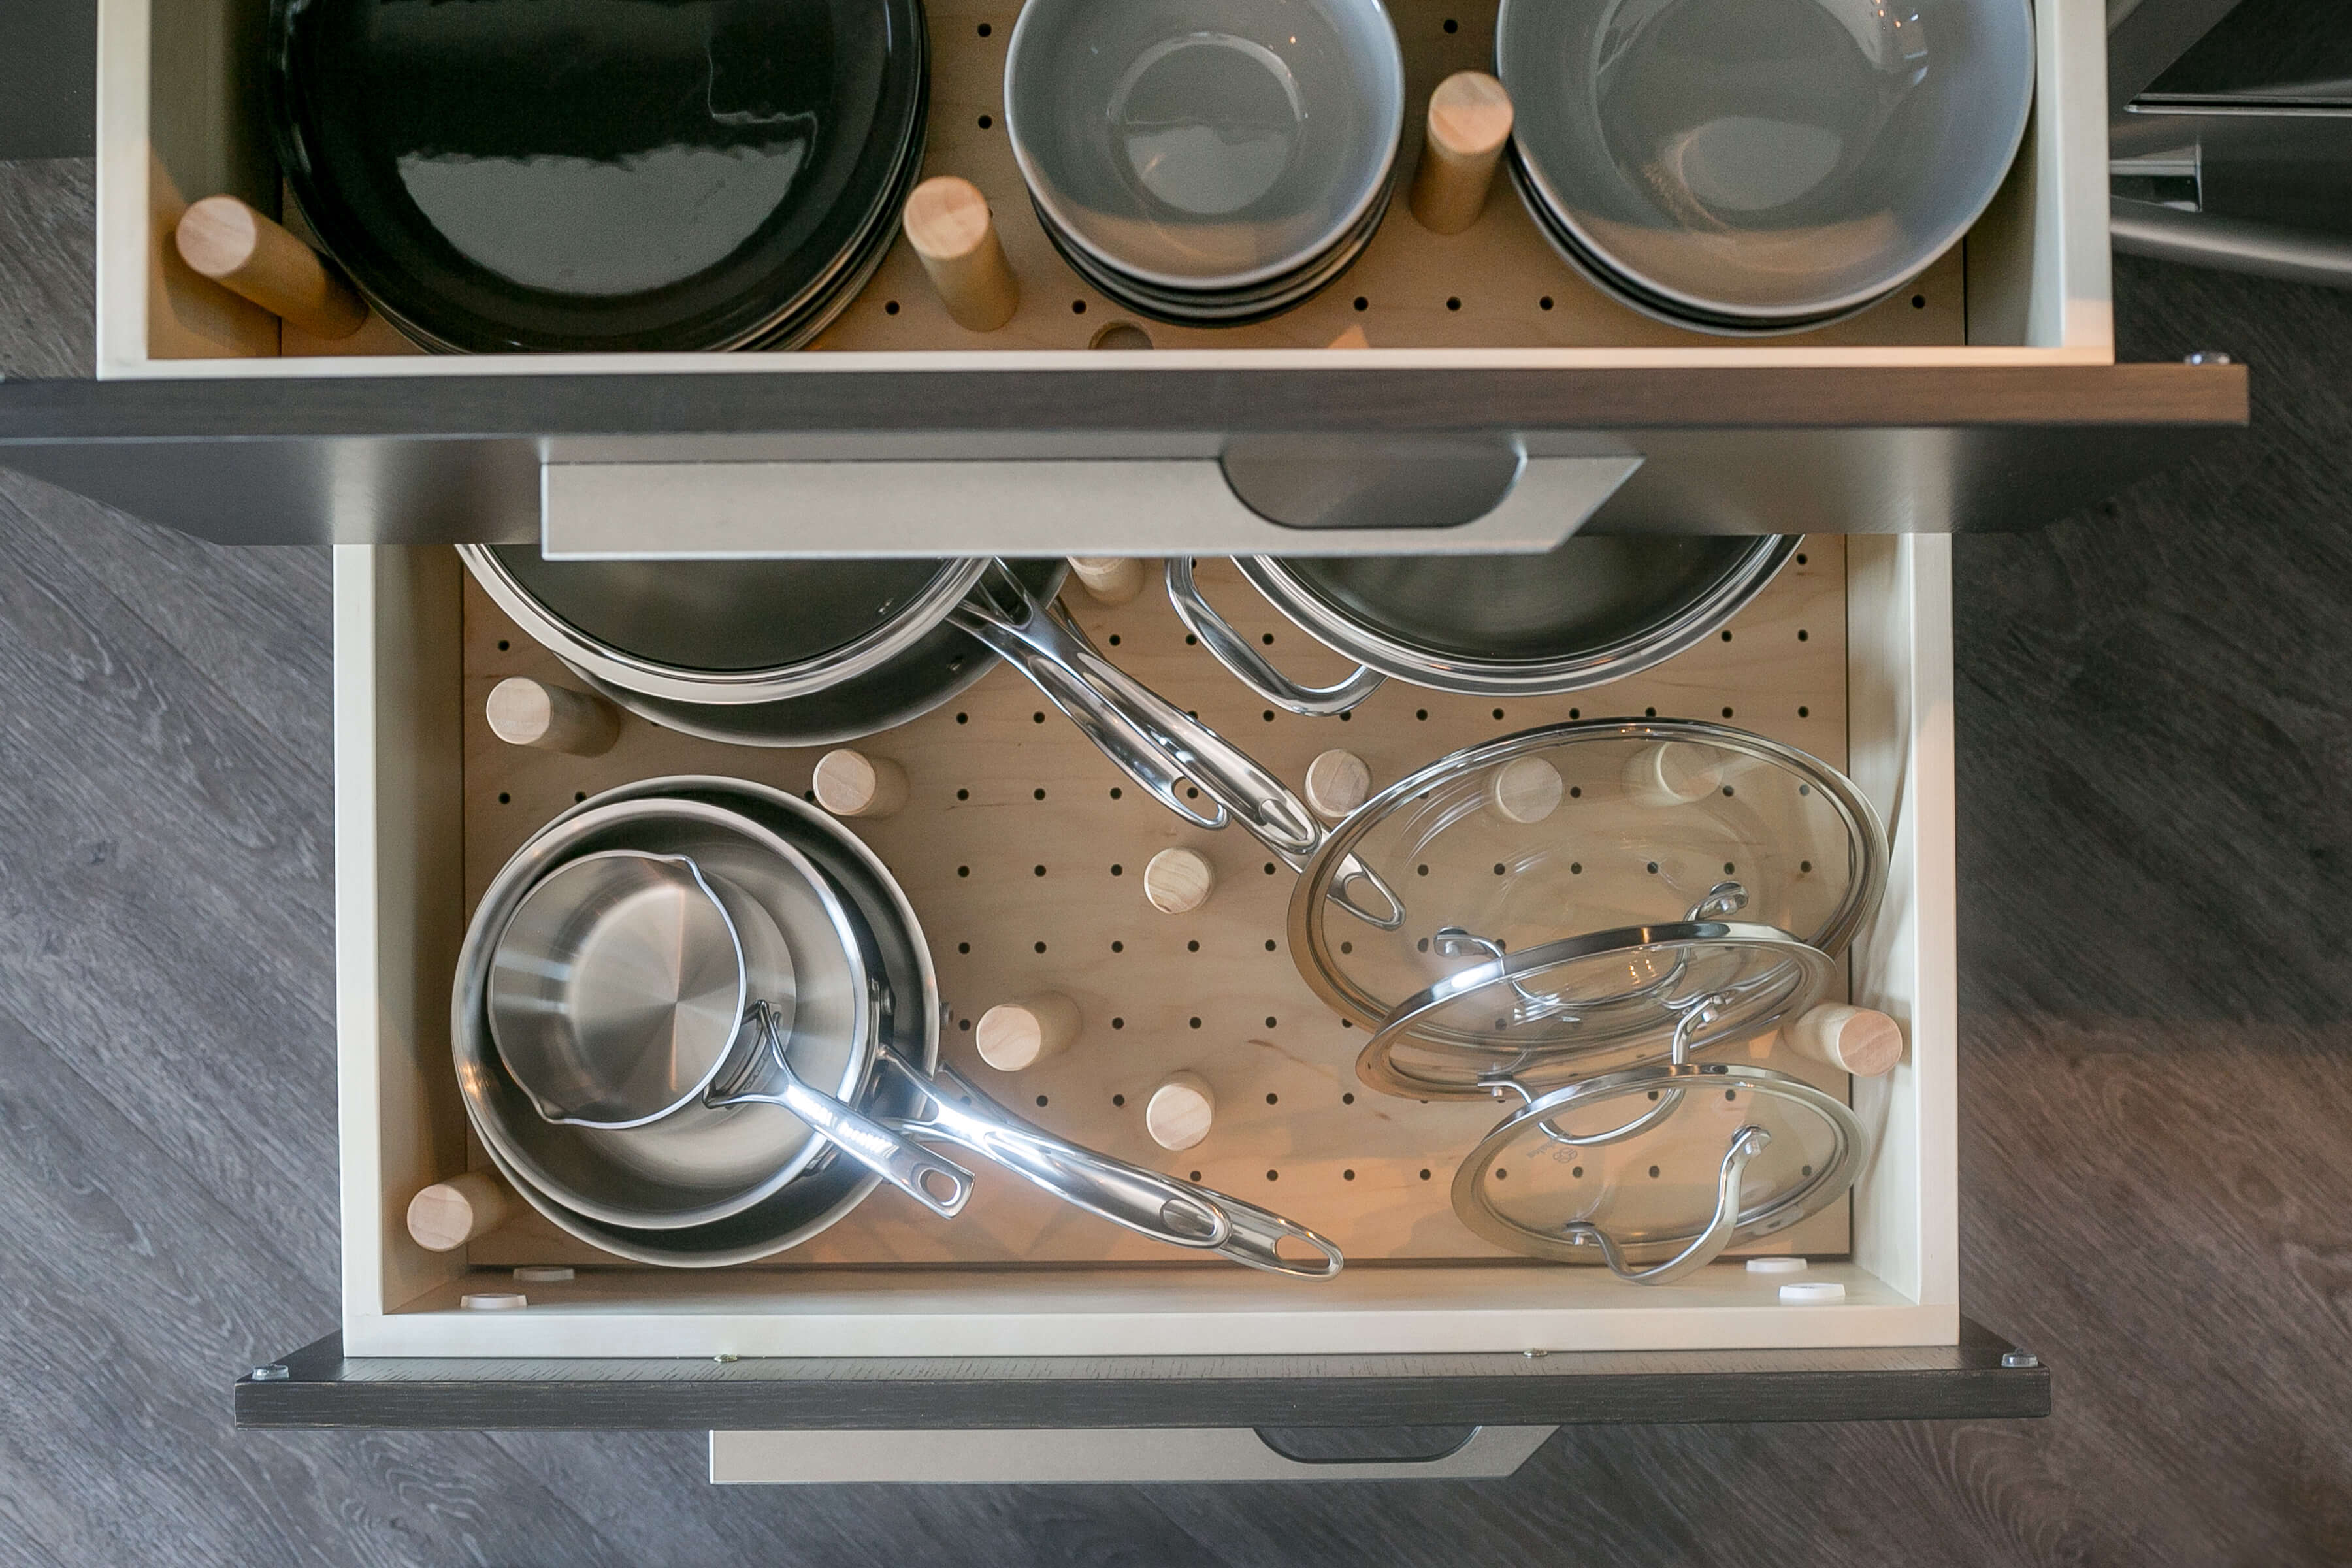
pixel 947 221
pixel 1337 782
pixel 1178 882
pixel 1469 121
pixel 1180 1111
pixel 1673 773
pixel 1353 338
pixel 851 784
pixel 1525 789
pixel 1024 1032
pixel 1858 1040
pixel 447 1215
pixel 246 253
pixel 1108 579
pixel 526 712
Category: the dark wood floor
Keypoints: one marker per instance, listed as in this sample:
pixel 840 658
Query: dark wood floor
pixel 2156 729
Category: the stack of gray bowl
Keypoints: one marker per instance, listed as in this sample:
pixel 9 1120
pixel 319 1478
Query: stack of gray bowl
pixel 1753 167
pixel 1209 163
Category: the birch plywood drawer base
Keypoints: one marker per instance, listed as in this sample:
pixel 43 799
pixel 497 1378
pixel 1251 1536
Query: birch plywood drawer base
pixel 428 805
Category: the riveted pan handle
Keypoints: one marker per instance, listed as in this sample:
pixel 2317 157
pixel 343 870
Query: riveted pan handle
pixel 1247 665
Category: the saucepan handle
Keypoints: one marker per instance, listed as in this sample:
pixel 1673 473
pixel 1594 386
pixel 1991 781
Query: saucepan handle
pixel 1251 667
pixel 1746 1144
pixel 940 1185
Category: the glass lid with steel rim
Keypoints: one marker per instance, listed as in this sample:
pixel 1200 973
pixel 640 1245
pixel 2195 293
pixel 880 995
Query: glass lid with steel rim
pixel 1654 1170
pixel 1603 825
pixel 1531 1016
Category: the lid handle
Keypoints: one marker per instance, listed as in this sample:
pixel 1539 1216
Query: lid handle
pixel 1746 1144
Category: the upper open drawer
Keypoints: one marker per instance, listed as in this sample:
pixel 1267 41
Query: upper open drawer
pixel 1984 393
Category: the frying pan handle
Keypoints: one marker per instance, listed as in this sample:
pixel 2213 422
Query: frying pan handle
pixel 1157 742
pixel 1247 665
pixel 1042 652
pixel 1144 1201
pixel 1746 1144
pixel 1258 1235
pixel 1041 642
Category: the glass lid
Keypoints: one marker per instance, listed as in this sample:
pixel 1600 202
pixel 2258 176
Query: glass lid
pixel 1520 1016
pixel 1655 1170
pixel 1603 825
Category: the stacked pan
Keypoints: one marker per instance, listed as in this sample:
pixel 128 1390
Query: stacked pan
pixel 1758 169
pixel 696 1022
pixel 1206 162
pixel 516 176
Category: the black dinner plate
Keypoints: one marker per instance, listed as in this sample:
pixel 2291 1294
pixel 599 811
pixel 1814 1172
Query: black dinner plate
pixel 586 175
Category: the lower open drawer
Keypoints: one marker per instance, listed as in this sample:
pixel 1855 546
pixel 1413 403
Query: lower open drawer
pixel 404 707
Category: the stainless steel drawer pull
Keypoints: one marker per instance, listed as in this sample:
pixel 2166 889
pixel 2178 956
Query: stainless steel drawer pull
pixel 1132 1455
pixel 605 512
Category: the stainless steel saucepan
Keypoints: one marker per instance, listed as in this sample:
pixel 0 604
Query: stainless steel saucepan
pixel 629 986
pixel 592 1182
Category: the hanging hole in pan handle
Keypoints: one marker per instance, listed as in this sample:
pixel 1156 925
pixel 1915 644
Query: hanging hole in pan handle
pixel 1353 876
pixel 1746 1144
pixel 1259 1238
pixel 1247 665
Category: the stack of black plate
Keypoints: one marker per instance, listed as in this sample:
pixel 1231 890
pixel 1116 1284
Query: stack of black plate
pixel 602 175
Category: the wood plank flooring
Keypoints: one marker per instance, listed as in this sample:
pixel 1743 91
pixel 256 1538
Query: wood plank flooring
pixel 2157 1077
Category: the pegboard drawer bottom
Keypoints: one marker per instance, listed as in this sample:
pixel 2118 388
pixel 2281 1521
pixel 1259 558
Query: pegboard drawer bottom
pixel 1023 855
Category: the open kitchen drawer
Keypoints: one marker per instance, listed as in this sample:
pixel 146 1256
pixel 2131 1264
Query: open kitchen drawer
pixel 1135 1340
pixel 1984 395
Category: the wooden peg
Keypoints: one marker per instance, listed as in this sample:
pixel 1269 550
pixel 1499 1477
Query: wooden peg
pixel 446 1216
pixel 1108 579
pixel 245 252
pixel 1469 121
pixel 1353 338
pixel 1673 773
pixel 1525 789
pixel 851 784
pixel 1852 1039
pixel 947 223
pixel 1024 1032
pixel 1180 1111
pixel 526 712
pixel 1178 882
pixel 1337 782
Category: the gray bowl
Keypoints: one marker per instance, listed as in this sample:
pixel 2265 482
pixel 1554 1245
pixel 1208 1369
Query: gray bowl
pixel 1766 161
pixel 1205 144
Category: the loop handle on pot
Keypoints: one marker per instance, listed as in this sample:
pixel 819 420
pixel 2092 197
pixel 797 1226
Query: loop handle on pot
pixel 1746 1144
pixel 1247 665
